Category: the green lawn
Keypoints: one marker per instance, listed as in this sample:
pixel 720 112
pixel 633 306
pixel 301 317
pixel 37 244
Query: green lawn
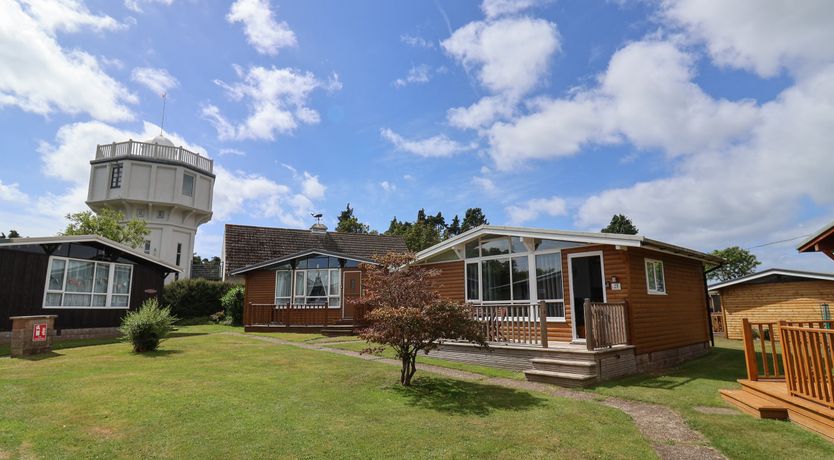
pixel 696 383
pixel 428 359
pixel 225 396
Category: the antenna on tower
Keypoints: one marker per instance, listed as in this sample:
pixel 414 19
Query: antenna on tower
pixel 162 124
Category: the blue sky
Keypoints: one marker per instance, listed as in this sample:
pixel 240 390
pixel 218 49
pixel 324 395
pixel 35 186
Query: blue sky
pixel 710 125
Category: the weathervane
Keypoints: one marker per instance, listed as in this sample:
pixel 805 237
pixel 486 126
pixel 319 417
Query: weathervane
pixel 162 124
pixel 317 216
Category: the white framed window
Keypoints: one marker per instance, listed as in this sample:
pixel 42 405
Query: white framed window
pixel 655 279
pixel 76 283
pixel 315 286
pixel 549 284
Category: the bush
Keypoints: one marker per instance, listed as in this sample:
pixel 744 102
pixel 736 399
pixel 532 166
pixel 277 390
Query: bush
pixel 232 303
pixel 191 298
pixel 146 327
pixel 218 318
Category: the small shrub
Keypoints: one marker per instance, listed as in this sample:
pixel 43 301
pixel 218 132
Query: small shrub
pixel 232 302
pixel 146 327
pixel 190 298
pixel 218 317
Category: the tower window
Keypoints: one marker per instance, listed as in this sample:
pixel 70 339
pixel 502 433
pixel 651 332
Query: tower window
pixel 179 253
pixel 188 185
pixel 147 248
pixel 116 176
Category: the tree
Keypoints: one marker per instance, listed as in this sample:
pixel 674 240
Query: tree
pixel 13 234
pixel 452 229
pixel 407 314
pixel 474 217
pixel 108 223
pixel 348 223
pixel 738 262
pixel 620 224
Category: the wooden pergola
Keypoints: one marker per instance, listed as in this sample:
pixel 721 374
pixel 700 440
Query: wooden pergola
pixel 822 241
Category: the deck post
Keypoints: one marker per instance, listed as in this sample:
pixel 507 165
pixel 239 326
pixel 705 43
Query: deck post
pixel 289 309
pixel 543 322
pixel 749 350
pixel 589 325
pixel 326 311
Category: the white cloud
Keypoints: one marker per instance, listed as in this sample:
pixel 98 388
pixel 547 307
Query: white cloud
pixel 416 75
pixel 481 113
pixel 260 27
pixel 408 177
pixel 136 5
pixel 229 151
pixel 12 193
pixel 31 58
pixel 388 186
pixel 494 8
pixel 311 187
pixel 157 80
pixel 763 36
pixel 662 108
pixel 277 100
pixel 530 210
pixel 416 42
pixel 435 146
pixel 484 183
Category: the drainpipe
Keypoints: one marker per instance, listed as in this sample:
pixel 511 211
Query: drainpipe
pixel 706 297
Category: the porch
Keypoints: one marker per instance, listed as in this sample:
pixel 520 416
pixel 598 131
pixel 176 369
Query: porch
pixel 313 318
pixel 790 373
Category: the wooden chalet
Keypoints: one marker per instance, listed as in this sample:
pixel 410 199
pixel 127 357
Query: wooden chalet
pixel 89 282
pixel 301 279
pixel 573 308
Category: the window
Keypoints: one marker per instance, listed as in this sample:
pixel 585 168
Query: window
pixel 188 185
pixel 316 286
pixel 147 247
pixel 655 281
pixel 160 214
pixel 472 285
pixel 116 176
pixel 140 213
pixel 179 253
pixel 283 280
pixel 549 283
pixel 74 283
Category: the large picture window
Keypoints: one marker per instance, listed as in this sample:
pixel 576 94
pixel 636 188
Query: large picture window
pixel 74 283
pixel 316 286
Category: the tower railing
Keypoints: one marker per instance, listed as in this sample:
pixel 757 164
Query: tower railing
pixel 133 148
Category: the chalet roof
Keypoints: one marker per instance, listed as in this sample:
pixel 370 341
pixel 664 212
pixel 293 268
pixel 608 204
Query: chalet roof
pixel 245 246
pixel 89 239
pixel 571 236
pixel 775 274
pixel 821 240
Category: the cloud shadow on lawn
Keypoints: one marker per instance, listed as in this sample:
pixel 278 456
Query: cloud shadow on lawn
pixel 465 398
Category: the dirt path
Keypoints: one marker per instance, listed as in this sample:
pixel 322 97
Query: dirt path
pixel 668 433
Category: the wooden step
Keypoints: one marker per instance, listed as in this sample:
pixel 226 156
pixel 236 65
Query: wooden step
pixel 563 379
pixel 755 405
pixel 567 366
pixel 335 330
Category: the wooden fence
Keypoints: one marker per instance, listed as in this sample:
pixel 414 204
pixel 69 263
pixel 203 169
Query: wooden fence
pixel 808 361
pixel 259 314
pixel 523 324
pixel 606 324
pixel 761 351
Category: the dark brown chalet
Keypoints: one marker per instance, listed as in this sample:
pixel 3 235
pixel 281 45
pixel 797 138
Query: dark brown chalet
pixel 299 278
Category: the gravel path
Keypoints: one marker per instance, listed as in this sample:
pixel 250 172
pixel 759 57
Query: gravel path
pixel 668 433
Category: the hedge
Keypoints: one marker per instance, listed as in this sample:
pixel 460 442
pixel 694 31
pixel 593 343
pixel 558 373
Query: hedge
pixel 190 298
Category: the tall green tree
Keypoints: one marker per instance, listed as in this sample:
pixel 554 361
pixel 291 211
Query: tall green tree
pixel 13 234
pixel 474 217
pixel 620 224
pixel 349 223
pixel 425 231
pixel 452 229
pixel 738 262
pixel 108 223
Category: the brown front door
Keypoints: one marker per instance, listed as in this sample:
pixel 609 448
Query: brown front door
pixel 353 289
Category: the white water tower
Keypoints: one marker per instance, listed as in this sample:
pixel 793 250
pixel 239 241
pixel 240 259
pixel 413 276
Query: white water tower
pixel 167 186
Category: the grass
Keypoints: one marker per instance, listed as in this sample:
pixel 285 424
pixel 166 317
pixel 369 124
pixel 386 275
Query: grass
pixel 696 383
pixel 424 359
pixel 5 350
pixel 225 396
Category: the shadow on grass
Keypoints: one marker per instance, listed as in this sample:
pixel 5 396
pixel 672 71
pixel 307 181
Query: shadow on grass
pixel 465 398
pixel 174 335
pixel 159 353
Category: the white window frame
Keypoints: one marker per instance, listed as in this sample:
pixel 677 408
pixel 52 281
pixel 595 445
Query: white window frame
pixel 330 271
pixel 110 280
pixel 647 263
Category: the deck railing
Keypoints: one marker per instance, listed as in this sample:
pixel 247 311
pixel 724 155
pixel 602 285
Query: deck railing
pixel 155 151
pixel 760 350
pixel 606 324
pixel 522 324
pixel 808 361
pixel 259 314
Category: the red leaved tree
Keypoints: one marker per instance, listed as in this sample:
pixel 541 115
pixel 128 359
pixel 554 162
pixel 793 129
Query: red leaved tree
pixel 407 314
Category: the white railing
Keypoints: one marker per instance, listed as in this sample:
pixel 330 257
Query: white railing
pixel 155 151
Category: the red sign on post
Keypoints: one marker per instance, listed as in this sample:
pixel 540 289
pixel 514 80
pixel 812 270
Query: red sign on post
pixel 39 332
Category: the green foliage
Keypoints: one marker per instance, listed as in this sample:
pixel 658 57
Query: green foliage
pixel 452 229
pixel 348 223
pixel 110 224
pixel 14 234
pixel 190 298
pixel 621 224
pixel 232 302
pixel 146 327
pixel 474 217
pixel 738 262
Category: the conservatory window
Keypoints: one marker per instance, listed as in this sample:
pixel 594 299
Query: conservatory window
pixel 74 283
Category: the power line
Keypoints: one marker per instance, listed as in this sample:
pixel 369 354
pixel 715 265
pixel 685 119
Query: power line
pixel 780 241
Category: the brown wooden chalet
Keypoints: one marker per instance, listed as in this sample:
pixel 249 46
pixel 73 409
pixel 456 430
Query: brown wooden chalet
pixel 300 278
